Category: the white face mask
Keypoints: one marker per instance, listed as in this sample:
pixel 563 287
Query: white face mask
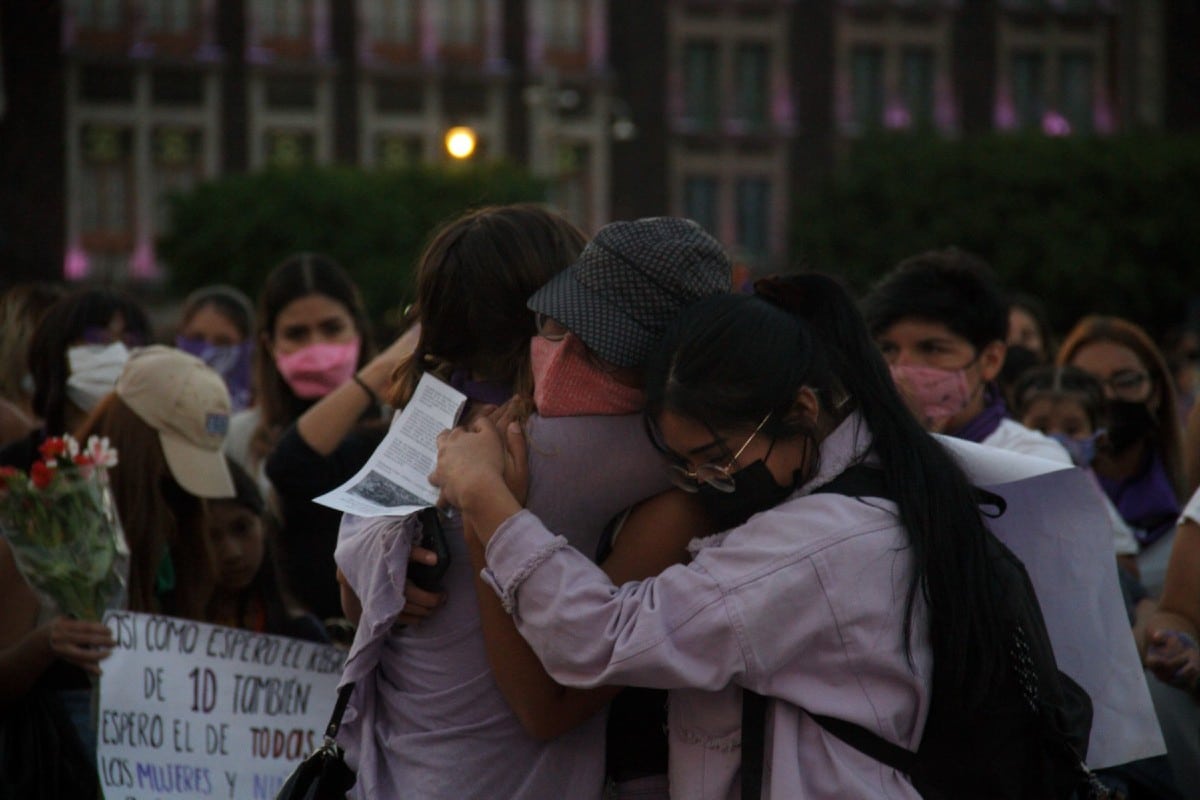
pixel 94 372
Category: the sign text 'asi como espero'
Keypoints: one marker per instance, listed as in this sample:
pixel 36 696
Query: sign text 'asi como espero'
pixel 190 710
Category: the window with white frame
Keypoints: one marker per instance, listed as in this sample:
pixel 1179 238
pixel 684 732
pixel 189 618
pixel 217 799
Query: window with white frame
pixel 1029 87
pixel 564 24
pixel 106 189
pixel 170 16
pixel 917 84
pixel 752 208
pixel 283 19
pixel 866 82
pixel 752 82
pixel 700 201
pixel 700 83
pixel 391 21
pixel 98 15
pixel 178 159
pixel 1075 93
pixel 461 22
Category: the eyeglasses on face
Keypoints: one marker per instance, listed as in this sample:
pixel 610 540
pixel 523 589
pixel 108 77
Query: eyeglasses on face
pixel 1127 384
pixel 715 475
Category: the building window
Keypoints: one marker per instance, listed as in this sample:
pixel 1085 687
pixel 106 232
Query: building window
pixel 461 22
pixel 1075 91
pixel 394 151
pixel 98 15
pixel 564 25
pixel 700 83
pixel 288 149
pixel 392 21
pixel 752 84
pixel 169 16
pixel 753 203
pixel 866 79
pixel 106 187
pixel 290 93
pixel 1028 88
pixel 700 201
pixel 178 166
pixel 916 85
pixel 283 19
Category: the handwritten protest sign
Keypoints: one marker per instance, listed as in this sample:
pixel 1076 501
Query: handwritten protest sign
pixel 190 710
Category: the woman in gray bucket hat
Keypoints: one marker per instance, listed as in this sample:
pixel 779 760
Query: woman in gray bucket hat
pixel 428 716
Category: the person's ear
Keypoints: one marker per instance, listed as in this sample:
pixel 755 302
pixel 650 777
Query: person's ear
pixel 991 360
pixel 808 405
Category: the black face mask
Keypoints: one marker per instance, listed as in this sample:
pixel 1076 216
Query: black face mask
pixel 1128 424
pixel 754 490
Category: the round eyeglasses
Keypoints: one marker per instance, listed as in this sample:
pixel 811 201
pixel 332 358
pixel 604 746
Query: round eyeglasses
pixel 715 475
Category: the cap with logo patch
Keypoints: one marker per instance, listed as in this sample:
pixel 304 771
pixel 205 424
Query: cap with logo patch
pixel 187 403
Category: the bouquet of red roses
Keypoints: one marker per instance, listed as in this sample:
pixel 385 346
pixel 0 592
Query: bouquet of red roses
pixel 62 526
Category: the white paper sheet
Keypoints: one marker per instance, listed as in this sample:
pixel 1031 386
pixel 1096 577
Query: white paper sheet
pixel 1058 528
pixel 395 479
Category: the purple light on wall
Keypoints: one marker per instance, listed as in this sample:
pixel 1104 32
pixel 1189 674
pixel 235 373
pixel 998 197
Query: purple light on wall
pixel 1004 113
pixel 1102 114
pixel 76 264
pixel 1055 124
pixel 429 33
pixel 320 13
pixel 783 111
pixel 493 56
pixel 945 110
pixel 68 29
pixel 896 116
pixel 843 103
pixel 142 265
pixel 535 43
pixel 596 24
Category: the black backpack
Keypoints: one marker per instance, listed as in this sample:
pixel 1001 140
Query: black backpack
pixel 1027 739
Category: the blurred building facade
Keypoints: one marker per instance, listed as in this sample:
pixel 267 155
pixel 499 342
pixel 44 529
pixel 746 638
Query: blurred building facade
pixel 720 110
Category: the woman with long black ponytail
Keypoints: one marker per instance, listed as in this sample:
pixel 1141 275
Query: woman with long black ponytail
pixel 827 604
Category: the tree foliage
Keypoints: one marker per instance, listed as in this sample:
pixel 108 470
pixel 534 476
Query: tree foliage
pixel 237 228
pixel 1088 225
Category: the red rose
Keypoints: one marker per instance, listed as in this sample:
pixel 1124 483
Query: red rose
pixel 8 472
pixel 83 460
pixel 40 474
pixel 52 448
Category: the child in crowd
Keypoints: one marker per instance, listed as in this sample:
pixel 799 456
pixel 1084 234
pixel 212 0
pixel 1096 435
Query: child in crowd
pixel 250 593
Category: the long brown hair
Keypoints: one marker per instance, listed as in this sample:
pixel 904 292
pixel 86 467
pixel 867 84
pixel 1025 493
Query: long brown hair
pixel 1168 435
pixel 159 516
pixel 298 276
pixel 473 281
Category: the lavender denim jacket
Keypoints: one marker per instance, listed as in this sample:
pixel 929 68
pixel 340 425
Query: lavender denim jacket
pixel 804 603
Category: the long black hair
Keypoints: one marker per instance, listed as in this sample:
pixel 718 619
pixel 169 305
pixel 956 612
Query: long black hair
pixel 729 360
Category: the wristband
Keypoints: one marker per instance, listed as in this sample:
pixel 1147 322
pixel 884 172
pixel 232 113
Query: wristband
pixel 370 392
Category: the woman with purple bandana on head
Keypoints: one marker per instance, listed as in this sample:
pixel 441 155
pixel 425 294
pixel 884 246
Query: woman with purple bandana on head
pixel 217 326
pixel 312 336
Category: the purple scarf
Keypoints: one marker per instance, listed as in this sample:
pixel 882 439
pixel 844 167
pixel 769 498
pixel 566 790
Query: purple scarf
pixel 1145 500
pixel 985 423
pixel 492 393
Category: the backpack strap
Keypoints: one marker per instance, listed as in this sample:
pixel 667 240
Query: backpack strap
pixel 868 743
pixel 754 735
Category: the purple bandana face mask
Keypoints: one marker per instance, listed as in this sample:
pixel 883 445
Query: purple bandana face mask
pixel 1082 451
pixel 232 362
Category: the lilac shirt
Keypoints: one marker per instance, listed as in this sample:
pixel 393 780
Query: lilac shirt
pixel 426 718
pixel 805 602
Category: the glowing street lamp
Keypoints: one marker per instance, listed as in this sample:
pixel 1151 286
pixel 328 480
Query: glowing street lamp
pixel 460 142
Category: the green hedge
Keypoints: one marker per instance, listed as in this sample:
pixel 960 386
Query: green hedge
pixel 235 229
pixel 1089 225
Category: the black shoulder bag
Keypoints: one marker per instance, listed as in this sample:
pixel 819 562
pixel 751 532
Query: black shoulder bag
pixel 324 775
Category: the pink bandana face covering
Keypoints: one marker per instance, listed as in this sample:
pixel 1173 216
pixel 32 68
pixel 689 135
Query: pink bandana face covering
pixel 938 393
pixel 316 370
pixel 567 384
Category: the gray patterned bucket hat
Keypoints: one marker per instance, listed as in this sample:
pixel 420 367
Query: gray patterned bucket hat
pixel 631 281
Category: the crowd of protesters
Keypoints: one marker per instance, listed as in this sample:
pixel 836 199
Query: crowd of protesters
pixel 640 528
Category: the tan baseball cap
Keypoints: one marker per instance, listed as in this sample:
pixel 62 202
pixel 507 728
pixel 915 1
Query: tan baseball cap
pixel 183 399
